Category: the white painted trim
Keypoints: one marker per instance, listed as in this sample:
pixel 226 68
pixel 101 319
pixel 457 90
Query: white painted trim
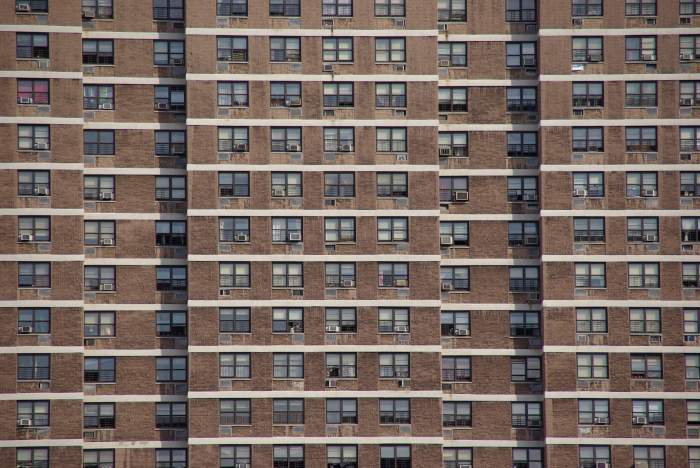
pixel 136 444
pixel 42 166
pixel 41 396
pixel 617 167
pixel 41 74
pixel 136 216
pixel 314 258
pixel 310 213
pixel 618 441
pixel 246 348
pixel 489 127
pixel 616 31
pixel 619 77
pixel 308 32
pixel 616 349
pixel 135 261
pixel 618 303
pixel 314 303
pixel 133 307
pixel 491 397
pixel 487 37
pixel 149 36
pixel 314 440
pixel 41 28
pixel 306 77
pixel 476 306
pixel 475 443
pixel 313 122
pixel 488 172
pixel 489 217
pixel 42 120
pixel 616 122
pixel 614 213
pixel 617 258
pixel 135 352
pixel 41 443
pixel 489 261
pixel 42 303
pixel 487 82
pixel 131 80
pixel 132 398
pixel 620 395
pixel 41 258
pixel 312 167
pixel 134 171
pixel 490 352
pixel 329 393
pixel 42 211
pixel 41 349
pixel 133 126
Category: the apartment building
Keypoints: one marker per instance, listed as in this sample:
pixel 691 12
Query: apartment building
pixel 350 233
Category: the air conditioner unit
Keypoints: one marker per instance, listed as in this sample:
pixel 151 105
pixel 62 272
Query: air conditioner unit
pixel 402 157
pixel 529 61
pixel 442 26
pixel 649 192
pixel 346 148
pixel 400 67
pixel 327 68
pixel 533 296
pixel 444 63
pixel 577 21
pixel 107 241
pixel 531 240
pixel 329 202
pixel 23 7
pixel 401 283
pixel 403 383
pixel 278 192
pixel 106 106
pixel 460 196
pixel 648 57
pixel 224 292
pixel 24 329
pixel 106 286
pixel 639 420
pixel 685 20
pixel 25 238
pixel 446 240
pixel 25 100
pixel 332 329
pixel 399 23
pixel 162 105
pixel 24 422
pixel 690 338
pixel 401 328
pixel 241 465
pixel 43 191
pixel 601 420
pixel 687 56
pixel 88 13
pixel 446 286
pixel 41 146
pixel 240 147
pixel 461 332
pixel 331 383
pixel 294 148
pixel 602 465
pixel 106 195
pixel 327 23
pixel 177 61
pixel 240 238
pixel 294 237
pixel 293 101
pixel 445 151
pixel 686 101
pixel 348 283
pixel 579 192
pixel 464 465
pixel 650 238
pixel 178 148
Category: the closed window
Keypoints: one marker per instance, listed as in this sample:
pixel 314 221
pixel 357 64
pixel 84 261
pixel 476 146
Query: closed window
pixel 640 94
pixel 640 7
pixel 587 94
pixel 394 365
pixel 287 320
pixel 232 49
pixel 234 320
pixel 393 275
pixel 168 9
pixel 640 139
pixel 453 53
pixel 525 369
pixel 32 45
pixel 591 366
pixel 455 323
pixel 231 8
pixel 287 230
pixel 171 278
pixel 285 94
pixel 589 229
pixel 645 320
pixel 456 414
pixel 456 369
pixel 287 275
pixel 642 184
pixel 523 323
pixel 344 456
pixel 690 138
pixel 33 367
pixel 523 11
pixel 521 99
pixel 171 233
pixel 234 275
pixel 341 365
pixel 643 275
pixel 522 189
pixel 234 412
pixel 690 229
pixel 336 8
pixel 395 456
pixel 232 93
pixel 394 320
pixel 34 228
pixel 98 416
pixel 454 278
pixel 171 188
pixel 590 275
pixel 647 412
pixel 591 320
pixel 392 184
pixel 34 275
pixel 646 366
pixel 98 52
pixel 640 49
pixel 171 369
pixel 232 455
pixel 526 414
pixel 454 189
pixel 287 411
pixel 452 10
pixel 341 320
pixel 689 90
pixel 649 456
pixel 341 411
pixel 392 229
pixel 100 370
pixel 33 6
pixel 396 411
pixel 100 233
pixel 392 140
pixel 389 7
pixel 33 137
pixel 285 7
pixel 523 233
pixel 98 9
pixel 98 97
pixel 692 366
pixel 286 139
pixel 34 92
pixel 643 229
pixel 594 412
pixel 452 99
pixel 339 139
pixel 587 49
pixel 456 457
pixel 390 50
pixel 98 142
pixel 288 365
pixel 234 229
pixel 453 144
pixel 234 365
pixel 170 143
pixel 390 95
pixel 169 98
pixel 99 188
pixel 340 275
pixel 521 54
pixel 337 49
pixel 171 458
pixel 521 144
pixel 171 324
pixel 169 53
pixel 37 413
pixel 234 184
pixel 338 95
pixel 32 457
pixel 288 456
pixel 588 184
pixel 99 324
pixel 285 49
pixel 528 458
pixel 691 272
pixel 103 458
pixel 587 139
pixel 34 320
pixel 455 232
pixel 339 230
pixel 690 184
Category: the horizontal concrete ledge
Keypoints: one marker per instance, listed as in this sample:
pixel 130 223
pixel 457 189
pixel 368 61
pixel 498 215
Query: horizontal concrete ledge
pixel 620 395
pixel 310 213
pixel 314 348
pixel 308 32
pixel 261 394
pixel 314 258
pixel 618 441
pixel 326 77
pixel 313 303
pixel 314 440
pixel 586 302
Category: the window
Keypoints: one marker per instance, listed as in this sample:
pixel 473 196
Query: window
pixel 98 416
pixel 34 320
pixel 690 90
pixel 99 370
pixel 234 365
pixel 452 99
pixel 234 229
pixel 32 45
pixel 642 229
pixel 452 10
pixel 234 412
pixel 98 9
pixel 692 366
pixel 594 412
pixel 524 279
pixel 36 412
pixel 33 6
pixel 392 184
pixel 169 53
pixel 234 320
pixel 103 458
pixel 98 188
pixel 394 365
pixel 233 455
pixel 591 366
pixel 521 11
pixel 589 184
pixel 288 365
pixel 590 275
pixel 649 456
pixel 33 367
pixel 339 139
pixel 586 94
pixel 689 47
pixel 168 9
pixel 640 139
pixel 341 365
pixel 456 457
pixel 341 456
pixel 525 369
pixel 341 411
pixel 690 138
pixel 98 142
pixel 645 321
pixel 171 278
pixel 285 94
pixel 453 144
pixel 234 275
pixel 337 8
pixel 587 139
pixel 171 458
pixel 232 49
pixel 171 324
pixel 99 233
pixel 288 456
pixel 98 52
pixel 170 143
pixel 593 455
pixel 591 320
pixel 521 54
pixel 231 8
pixel 34 274
pixel 287 230
pixel 32 457
pixel 524 323
pixel 690 184
pixel 642 184
pixel 392 140
pixel 394 320
pixel 285 8
pixel 390 50
pixel 285 49
pixel 288 411
pixel 171 369
pixel 287 275
pixel 646 366
pixel 454 53
pixel 393 275
pixel 640 94
pixel 340 275
pixel 33 92
pixel 454 232
pixel 33 137
pixel 34 228
pixel 589 229
pixel 287 320
pixel 523 233
pixel 454 189
pixel 390 95
pixel 640 49
pixel 339 230
pixel 389 7
pixel 527 458
pixel 338 95
pixel 170 188
pixel 234 184
pixel 392 229
pixel 171 415
pixel 341 320
pixel 171 233
pixel 232 93
pixel 233 139
pixel 396 411
pixel 691 321
pixel 587 49
pixel 98 97
pixel 691 272
pixel 521 99
pixel 640 7
pixel 99 324
pixel 693 412
pixel 456 369
pixel 690 7
pixel 100 278
pixel 169 98
pixel 522 189
pixel 643 275
pixel 337 49
pixel 286 139
pixel 647 412
pixel 526 414
pixel 455 323
pixel 395 456
pixel 522 144
pixel 690 229
pixel 456 414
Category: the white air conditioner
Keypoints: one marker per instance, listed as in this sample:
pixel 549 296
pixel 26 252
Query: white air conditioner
pixel 23 7
pixel 177 61
pixel 686 102
pixel 445 151
pixel 400 67
pixel 293 101
pixel 602 420
pixel 399 22
pixel 403 383
pixel 41 146
pixel 346 148
pixel 401 328
pixel 41 191
pixel 348 283
pixel 442 26
pixel 460 196
pixel 107 241
pixel 687 56
pixel 24 329
pixel 106 106
pixel 444 63
pixel 24 422
pixel 327 67
pixel 25 238
pixel 401 283
pixel 241 238
pixel 446 240
pixel 529 240
pixel 294 237
pixel 332 329
pixel 240 147
pixel 464 465
pixel 577 21
pixel 639 420
pixel 529 61
pixel 402 157
pixel 331 383
pixel 461 332
pixel 25 100
pixel 106 195
pixel 327 23
pixel 648 57
pixel 649 192
pixel 446 286
pixel 106 286
pixel 650 238
pixel 278 192
pixel 533 296
pixel 88 13
pixel 579 192
pixel 294 148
